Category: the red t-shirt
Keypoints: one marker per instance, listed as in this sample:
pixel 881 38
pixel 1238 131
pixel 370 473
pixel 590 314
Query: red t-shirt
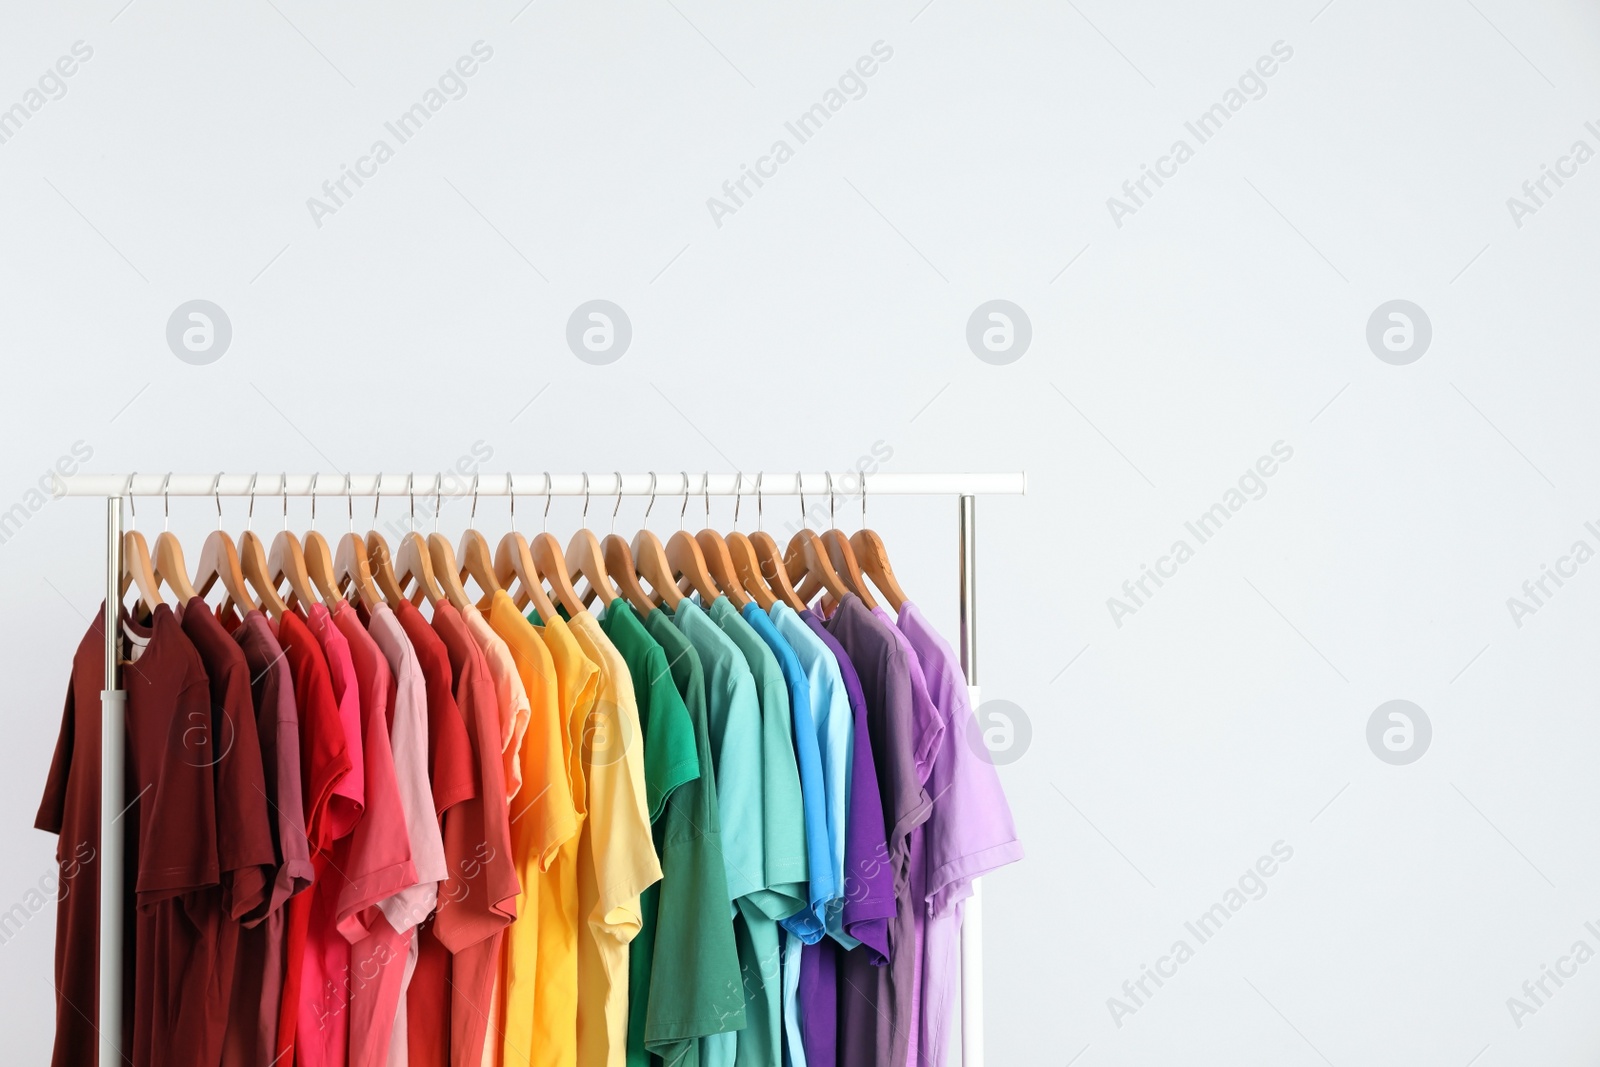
pixel 480 898
pixel 324 764
pixel 171 849
pixel 452 781
pixel 244 836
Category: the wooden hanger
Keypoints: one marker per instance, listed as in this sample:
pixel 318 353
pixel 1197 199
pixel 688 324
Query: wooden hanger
pixel 549 565
pixel 514 567
pixel 352 570
pixel 413 561
pixel 686 559
pixel 477 562
pixel 745 566
pixel 169 565
pixel 807 556
pixel 136 569
pixel 443 558
pixel 253 564
pixel 649 560
pixel 770 558
pixel 318 559
pixel 586 558
pixel 219 559
pixel 714 553
pixel 874 558
pixel 380 561
pixel 619 564
pixel 843 558
pixel 287 560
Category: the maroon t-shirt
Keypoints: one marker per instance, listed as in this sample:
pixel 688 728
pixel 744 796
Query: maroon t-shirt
pixel 244 836
pixel 169 833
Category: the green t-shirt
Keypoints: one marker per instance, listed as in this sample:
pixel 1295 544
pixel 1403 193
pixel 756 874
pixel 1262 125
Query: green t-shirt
pixel 783 842
pixel 733 718
pixel 684 928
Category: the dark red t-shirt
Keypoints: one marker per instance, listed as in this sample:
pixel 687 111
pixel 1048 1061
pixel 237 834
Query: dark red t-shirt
pixel 170 840
pixel 244 836
pixel 324 762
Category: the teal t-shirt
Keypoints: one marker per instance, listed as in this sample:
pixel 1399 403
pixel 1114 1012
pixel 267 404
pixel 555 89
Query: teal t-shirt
pixel 733 718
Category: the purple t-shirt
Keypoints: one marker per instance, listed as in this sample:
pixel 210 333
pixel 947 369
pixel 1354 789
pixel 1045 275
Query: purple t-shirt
pixel 868 885
pixel 877 1004
pixel 969 833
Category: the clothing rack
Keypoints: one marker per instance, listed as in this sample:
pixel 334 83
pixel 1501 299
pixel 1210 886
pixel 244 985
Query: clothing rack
pixel 113 487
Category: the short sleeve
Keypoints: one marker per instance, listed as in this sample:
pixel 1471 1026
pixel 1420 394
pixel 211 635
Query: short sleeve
pixel 178 845
pixel 53 805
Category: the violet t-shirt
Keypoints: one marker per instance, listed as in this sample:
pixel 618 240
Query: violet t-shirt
pixel 878 1003
pixel 969 833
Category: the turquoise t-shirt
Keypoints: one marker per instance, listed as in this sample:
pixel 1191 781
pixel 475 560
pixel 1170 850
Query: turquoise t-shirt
pixel 830 710
pixel 811 923
pixel 733 714
pixel 784 840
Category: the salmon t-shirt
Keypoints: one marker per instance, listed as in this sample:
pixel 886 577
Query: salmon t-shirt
pixel 510 696
pixel 480 898
pixel 555 1008
pixel 542 819
pixel 616 853
pixel 377 866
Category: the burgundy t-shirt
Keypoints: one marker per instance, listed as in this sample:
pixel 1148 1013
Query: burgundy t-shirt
pixel 878 1004
pixel 171 849
pixel 244 836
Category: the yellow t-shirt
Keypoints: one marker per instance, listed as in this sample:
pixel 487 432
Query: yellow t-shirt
pixel 616 856
pixel 543 817
pixel 555 1009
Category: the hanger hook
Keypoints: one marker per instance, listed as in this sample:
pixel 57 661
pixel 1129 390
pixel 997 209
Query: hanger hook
pixel 216 497
pixel 249 516
pixel 511 491
pixel 133 512
pixel 377 497
pixel 863 500
pixel 349 504
pixel 652 504
pixel 166 506
pixel 549 486
pixel 438 499
pixel 314 478
pixel 705 489
pixel 759 508
pixel 411 478
pixel 284 479
pixel 800 483
pixel 833 523
pixel 585 519
pixel 738 498
pixel 618 506
pixel 684 510
pixel 471 519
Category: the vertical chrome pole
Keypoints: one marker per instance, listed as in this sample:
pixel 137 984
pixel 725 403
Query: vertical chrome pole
pixel 111 803
pixel 972 908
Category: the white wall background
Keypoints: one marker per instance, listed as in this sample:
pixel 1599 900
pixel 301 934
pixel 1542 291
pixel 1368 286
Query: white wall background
pixel 829 313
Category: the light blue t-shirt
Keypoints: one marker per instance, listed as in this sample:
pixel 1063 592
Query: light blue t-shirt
pixel 830 710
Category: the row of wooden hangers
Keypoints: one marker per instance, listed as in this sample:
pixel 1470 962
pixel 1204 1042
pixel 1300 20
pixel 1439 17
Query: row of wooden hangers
pixel 295 572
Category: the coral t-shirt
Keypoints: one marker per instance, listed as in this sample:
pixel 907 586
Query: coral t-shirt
pixel 479 900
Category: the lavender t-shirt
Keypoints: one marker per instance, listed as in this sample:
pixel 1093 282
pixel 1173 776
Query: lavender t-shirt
pixel 877 1004
pixel 969 833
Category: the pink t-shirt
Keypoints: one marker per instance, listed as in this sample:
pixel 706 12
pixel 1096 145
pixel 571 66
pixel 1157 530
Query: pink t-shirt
pixel 408 736
pixel 376 865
